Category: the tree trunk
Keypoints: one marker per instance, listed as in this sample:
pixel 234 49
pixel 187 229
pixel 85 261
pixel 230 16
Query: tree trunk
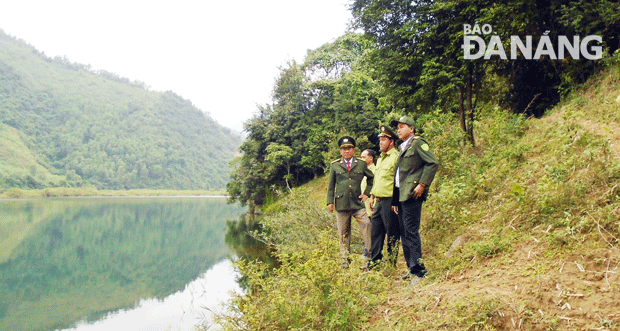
pixel 470 106
pixel 462 110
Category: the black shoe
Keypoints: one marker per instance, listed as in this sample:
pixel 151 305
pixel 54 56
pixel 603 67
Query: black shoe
pixel 418 270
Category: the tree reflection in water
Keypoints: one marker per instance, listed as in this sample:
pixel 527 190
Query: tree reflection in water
pixel 243 236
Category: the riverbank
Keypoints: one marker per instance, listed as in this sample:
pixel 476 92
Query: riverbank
pixel 16 193
pixel 519 232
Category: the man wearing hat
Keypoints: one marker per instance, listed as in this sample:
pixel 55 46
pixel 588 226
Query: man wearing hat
pixel 415 170
pixel 345 196
pixel 384 221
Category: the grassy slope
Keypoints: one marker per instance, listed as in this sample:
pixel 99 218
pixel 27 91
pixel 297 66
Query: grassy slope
pixel 534 243
pixel 16 157
pixel 520 232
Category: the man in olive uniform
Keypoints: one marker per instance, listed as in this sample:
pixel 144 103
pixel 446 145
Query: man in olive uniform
pixel 415 170
pixel 344 194
pixel 384 221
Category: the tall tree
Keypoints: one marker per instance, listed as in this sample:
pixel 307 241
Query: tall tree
pixel 420 57
pixel 288 140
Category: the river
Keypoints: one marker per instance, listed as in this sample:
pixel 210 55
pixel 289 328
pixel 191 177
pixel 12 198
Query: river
pixel 85 264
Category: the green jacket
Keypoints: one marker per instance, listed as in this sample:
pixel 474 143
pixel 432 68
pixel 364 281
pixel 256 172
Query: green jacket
pixel 384 174
pixel 417 164
pixel 344 186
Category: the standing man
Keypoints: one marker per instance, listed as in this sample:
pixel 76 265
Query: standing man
pixel 344 194
pixel 415 170
pixel 384 221
pixel 369 156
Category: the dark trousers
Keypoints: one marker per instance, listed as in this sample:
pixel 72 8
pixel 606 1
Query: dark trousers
pixel 409 214
pixel 384 222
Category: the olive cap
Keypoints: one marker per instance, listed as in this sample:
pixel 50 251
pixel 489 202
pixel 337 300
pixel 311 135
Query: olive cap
pixel 405 120
pixel 387 132
pixel 346 141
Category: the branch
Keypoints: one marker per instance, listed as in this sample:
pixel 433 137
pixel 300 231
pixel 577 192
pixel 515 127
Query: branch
pixel 531 103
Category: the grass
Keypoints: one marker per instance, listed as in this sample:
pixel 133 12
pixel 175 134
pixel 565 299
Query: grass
pixel 520 233
pixel 16 193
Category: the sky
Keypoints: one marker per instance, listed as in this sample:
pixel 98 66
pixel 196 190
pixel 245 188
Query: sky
pixel 223 56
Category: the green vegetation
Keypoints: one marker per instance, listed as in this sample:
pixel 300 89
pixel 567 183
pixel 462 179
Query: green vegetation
pixel 520 232
pixel 16 193
pixel 410 61
pixel 64 125
pixel 521 228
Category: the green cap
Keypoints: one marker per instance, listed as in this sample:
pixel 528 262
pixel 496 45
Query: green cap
pixel 387 132
pixel 405 120
pixel 346 141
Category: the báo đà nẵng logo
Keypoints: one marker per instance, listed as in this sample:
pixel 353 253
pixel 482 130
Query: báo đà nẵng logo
pixel 474 46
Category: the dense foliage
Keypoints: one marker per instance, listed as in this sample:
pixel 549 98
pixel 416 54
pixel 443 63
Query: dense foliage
pixel 64 125
pixel 290 140
pixel 409 60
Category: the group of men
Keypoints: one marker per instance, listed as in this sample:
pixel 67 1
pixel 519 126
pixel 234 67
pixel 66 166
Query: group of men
pixel 392 194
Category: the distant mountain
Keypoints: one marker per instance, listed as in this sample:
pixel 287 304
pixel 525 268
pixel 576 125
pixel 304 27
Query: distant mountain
pixel 63 124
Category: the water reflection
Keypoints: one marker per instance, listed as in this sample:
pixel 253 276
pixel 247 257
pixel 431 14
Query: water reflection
pixel 180 311
pixel 69 260
pixel 242 237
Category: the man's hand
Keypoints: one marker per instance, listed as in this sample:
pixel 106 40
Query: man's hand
pixel 330 207
pixel 419 190
pixel 372 202
pixel 395 209
pixel 363 197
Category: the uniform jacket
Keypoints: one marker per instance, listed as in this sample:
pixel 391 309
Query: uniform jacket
pixel 344 186
pixel 384 174
pixel 417 164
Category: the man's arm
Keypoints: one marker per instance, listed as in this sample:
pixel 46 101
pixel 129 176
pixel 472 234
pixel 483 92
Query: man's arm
pixel 369 180
pixel 330 189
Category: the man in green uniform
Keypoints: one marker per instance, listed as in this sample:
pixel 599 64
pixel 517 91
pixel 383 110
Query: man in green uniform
pixel 384 221
pixel 415 170
pixel 345 196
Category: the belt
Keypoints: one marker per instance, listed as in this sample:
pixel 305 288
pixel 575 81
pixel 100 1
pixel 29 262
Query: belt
pixel 383 199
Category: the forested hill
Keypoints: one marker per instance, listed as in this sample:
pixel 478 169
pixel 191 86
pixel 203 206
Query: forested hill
pixel 64 124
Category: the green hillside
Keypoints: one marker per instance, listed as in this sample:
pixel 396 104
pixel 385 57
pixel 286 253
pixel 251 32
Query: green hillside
pixel 64 125
pixel 521 228
pixel 520 232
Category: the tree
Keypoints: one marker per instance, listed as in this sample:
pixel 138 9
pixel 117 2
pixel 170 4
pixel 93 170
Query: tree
pixel 288 140
pixel 279 155
pixel 420 57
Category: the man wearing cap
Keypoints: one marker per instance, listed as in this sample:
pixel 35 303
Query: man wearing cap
pixel 384 221
pixel 345 196
pixel 415 170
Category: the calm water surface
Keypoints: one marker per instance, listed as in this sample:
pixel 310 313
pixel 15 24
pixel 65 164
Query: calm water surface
pixel 113 263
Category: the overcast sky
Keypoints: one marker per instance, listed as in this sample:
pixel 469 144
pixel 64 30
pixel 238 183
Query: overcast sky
pixel 221 55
